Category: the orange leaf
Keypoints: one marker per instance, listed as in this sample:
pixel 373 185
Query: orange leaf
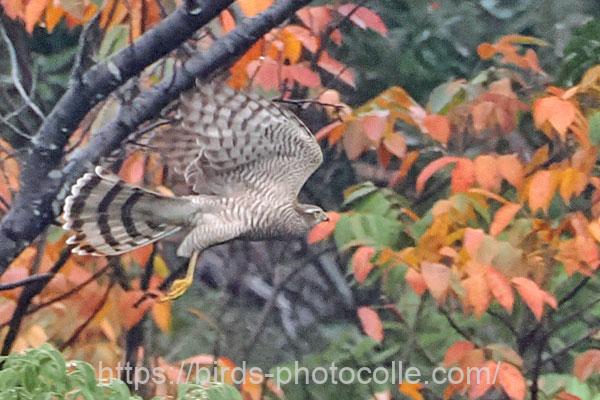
pixel 457 352
pixel 478 294
pixel 541 190
pixel 559 113
pixel 252 385
pixel 411 390
pixel 463 175
pixel 512 381
pixel 504 217
pixel 416 281
pixel 479 387
pixel 361 263
pixel 227 21
pixel 302 74
pixel 486 173
pixel 572 183
pixel 33 12
pixel 437 279
pixel 250 8
pixel 587 364
pixel 132 315
pixel 395 144
pixel 161 314
pixel 431 169
pixel 438 127
pixel 371 323
pixel 135 18
pixel 511 169
pixel 132 170
pixel 12 8
pixel 533 296
pixel 323 230
pixel 485 51
pixel 500 287
pixel 407 163
pixel 53 16
pixel 292 46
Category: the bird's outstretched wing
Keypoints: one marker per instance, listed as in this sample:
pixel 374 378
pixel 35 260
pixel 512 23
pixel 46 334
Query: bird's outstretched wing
pixel 226 142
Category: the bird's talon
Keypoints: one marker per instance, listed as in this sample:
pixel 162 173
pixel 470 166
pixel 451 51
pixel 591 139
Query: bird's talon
pixel 178 288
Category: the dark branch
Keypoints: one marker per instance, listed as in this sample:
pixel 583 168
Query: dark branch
pixel 44 185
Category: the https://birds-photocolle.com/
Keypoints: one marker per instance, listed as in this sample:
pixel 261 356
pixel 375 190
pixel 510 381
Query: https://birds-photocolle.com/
pixel 244 159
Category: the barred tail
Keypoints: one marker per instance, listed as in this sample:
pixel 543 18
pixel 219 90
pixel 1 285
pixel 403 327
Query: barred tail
pixel 111 217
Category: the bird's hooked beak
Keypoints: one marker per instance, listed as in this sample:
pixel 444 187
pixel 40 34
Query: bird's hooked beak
pixel 324 217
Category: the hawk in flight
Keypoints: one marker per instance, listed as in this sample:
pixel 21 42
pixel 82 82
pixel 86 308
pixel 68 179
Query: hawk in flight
pixel 244 158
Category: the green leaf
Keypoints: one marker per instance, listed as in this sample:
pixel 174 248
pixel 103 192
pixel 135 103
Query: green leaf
pixel 594 121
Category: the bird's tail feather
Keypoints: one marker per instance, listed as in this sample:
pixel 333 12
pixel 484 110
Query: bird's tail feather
pixel 104 212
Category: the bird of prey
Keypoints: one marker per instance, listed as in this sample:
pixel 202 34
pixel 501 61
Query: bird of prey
pixel 245 160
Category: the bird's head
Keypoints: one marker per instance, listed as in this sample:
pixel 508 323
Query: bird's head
pixel 311 214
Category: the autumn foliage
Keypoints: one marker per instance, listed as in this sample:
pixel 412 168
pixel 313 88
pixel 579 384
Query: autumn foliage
pixel 489 215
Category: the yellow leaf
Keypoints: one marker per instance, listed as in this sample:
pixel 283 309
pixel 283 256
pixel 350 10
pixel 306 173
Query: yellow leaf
pixel 292 47
pixel 160 266
pixel 161 314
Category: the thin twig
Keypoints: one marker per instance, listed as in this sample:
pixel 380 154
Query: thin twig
pixel 89 319
pixel 14 72
pixel 571 346
pixel 25 281
pixel 29 292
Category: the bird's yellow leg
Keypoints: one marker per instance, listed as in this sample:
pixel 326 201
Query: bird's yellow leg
pixel 180 286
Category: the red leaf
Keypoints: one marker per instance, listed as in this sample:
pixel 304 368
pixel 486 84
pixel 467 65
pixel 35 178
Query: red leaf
pixel 371 323
pixel 457 352
pixel 374 125
pixel 227 21
pixel 336 68
pixel 503 217
pixel 533 296
pixel 364 18
pixel 315 18
pixel 463 175
pixel 301 74
pixel 512 382
pixel 416 281
pixel 500 287
pixel 438 127
pixel 431 169
pixel 587 364
pixel 361 263
pixel 332 131
pixel 437 279
pixel 323 230
pixel 250 8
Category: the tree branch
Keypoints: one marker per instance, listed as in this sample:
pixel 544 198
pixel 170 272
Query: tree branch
pixel 44 185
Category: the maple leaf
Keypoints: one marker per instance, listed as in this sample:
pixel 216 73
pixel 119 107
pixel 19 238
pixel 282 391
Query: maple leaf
pixel 416 281
pixel 500 288
pixel 512 381
pixel 503 217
